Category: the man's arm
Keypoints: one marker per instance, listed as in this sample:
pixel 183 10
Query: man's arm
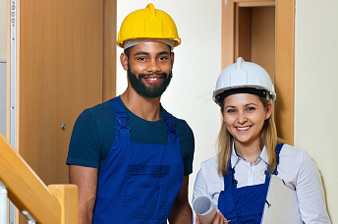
pixel 181 212
pixel 86 180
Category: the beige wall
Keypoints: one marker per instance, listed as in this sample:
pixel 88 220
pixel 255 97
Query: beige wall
pixel 316 103
pixel 3 30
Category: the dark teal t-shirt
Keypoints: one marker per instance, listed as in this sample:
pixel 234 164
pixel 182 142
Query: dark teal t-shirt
pixel 94 134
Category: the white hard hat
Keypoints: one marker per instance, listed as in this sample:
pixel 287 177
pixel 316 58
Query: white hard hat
pixel 244 77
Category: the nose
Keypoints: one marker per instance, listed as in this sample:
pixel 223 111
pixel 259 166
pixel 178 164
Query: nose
pixel 242 118
pixel 153 67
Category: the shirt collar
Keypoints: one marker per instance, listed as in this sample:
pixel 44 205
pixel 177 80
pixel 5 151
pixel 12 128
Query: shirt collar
pixel 235 158
pixel 264 155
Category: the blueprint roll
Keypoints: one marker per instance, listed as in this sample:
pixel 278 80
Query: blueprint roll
pixel 204 209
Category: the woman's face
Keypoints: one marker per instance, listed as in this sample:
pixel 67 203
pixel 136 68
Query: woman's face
pixel 244 115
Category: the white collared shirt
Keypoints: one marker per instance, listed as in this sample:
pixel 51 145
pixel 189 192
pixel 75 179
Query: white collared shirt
pixel 295 168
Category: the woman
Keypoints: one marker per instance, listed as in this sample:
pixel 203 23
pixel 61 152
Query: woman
pixel 237 179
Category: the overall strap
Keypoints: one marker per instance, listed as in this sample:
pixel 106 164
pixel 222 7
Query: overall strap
pixel 122 128
pixel 230 194
pixel 171 123
pixel 278 150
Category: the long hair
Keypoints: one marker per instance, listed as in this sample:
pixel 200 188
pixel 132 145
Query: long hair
pixel 268 138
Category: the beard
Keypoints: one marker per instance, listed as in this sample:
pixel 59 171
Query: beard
pixel 152 91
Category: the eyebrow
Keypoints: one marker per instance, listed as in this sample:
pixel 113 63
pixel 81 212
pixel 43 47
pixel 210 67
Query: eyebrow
pixel 250 104
pixel 163 52
pixel 141 53
pixel 229 106
pixel 244 105
pixel 147 53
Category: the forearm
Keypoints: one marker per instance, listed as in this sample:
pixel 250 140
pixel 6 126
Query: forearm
pixel 85 217
pixel 86 179
pixel 181 213
pixel 86 208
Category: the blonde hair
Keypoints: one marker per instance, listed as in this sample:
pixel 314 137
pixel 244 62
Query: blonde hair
pixel 268 138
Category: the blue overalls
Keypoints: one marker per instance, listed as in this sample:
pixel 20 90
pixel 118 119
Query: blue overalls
pixel 246 204
pixel 138 182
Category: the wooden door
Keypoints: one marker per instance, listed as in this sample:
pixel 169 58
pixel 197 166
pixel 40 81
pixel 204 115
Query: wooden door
pixel 66 64
pixel 262 31
pixel 255 34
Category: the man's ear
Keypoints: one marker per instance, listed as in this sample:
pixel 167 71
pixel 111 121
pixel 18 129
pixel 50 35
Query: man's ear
pixel 124 61
pixel 172 56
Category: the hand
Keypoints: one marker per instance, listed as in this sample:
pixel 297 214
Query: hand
pixel 218 219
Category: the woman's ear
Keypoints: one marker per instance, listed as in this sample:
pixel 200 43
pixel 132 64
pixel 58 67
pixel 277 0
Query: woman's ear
pixel 222 113
pixel 268 111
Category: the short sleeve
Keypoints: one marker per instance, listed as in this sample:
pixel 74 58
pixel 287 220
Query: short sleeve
pixel 200 189
pixel 187 143
pixel 84 147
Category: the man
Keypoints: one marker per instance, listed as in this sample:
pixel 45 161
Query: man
pixel 128 156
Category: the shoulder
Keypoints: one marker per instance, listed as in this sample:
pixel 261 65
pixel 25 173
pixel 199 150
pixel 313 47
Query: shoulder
pixel 292 163
pixel 102 108
pixel 98 113
pixel 184 131
pixel 293 154
pixel 186 137
pixel 209 168
pixel 95 120
pixel 211 163
pixel 183 126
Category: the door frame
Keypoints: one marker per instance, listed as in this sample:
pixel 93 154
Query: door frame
pixel 284 56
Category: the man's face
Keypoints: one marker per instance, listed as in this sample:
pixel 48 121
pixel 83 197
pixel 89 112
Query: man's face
pixel 150 68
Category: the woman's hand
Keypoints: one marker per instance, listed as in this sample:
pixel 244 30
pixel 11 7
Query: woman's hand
pixel 218 219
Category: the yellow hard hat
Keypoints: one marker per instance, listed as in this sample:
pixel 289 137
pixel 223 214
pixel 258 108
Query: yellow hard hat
pixel 148 23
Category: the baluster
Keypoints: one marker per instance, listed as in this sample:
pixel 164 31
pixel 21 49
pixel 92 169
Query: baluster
pixel 3 204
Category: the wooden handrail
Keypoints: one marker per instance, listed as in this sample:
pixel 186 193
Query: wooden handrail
pixel 54 205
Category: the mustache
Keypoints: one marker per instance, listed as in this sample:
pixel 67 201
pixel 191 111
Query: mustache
pixel 162 75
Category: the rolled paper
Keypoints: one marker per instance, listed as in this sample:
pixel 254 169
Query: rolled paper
pixel 204 209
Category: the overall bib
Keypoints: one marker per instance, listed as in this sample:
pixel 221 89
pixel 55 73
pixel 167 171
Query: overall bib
pixel 246 204
pixel 138 182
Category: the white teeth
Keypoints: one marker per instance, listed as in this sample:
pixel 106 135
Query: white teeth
pixel 243 129
pixel 152 79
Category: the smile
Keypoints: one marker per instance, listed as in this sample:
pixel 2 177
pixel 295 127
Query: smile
pixel 153 79
pixel 243 129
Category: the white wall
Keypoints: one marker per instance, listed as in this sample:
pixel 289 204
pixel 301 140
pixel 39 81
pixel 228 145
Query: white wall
pixel 316 96
pixel 197 66
pixel 3 29
pixel 3 83
pixel 3 60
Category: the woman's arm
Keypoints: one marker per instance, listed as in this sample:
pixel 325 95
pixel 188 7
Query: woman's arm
pixel 310 193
